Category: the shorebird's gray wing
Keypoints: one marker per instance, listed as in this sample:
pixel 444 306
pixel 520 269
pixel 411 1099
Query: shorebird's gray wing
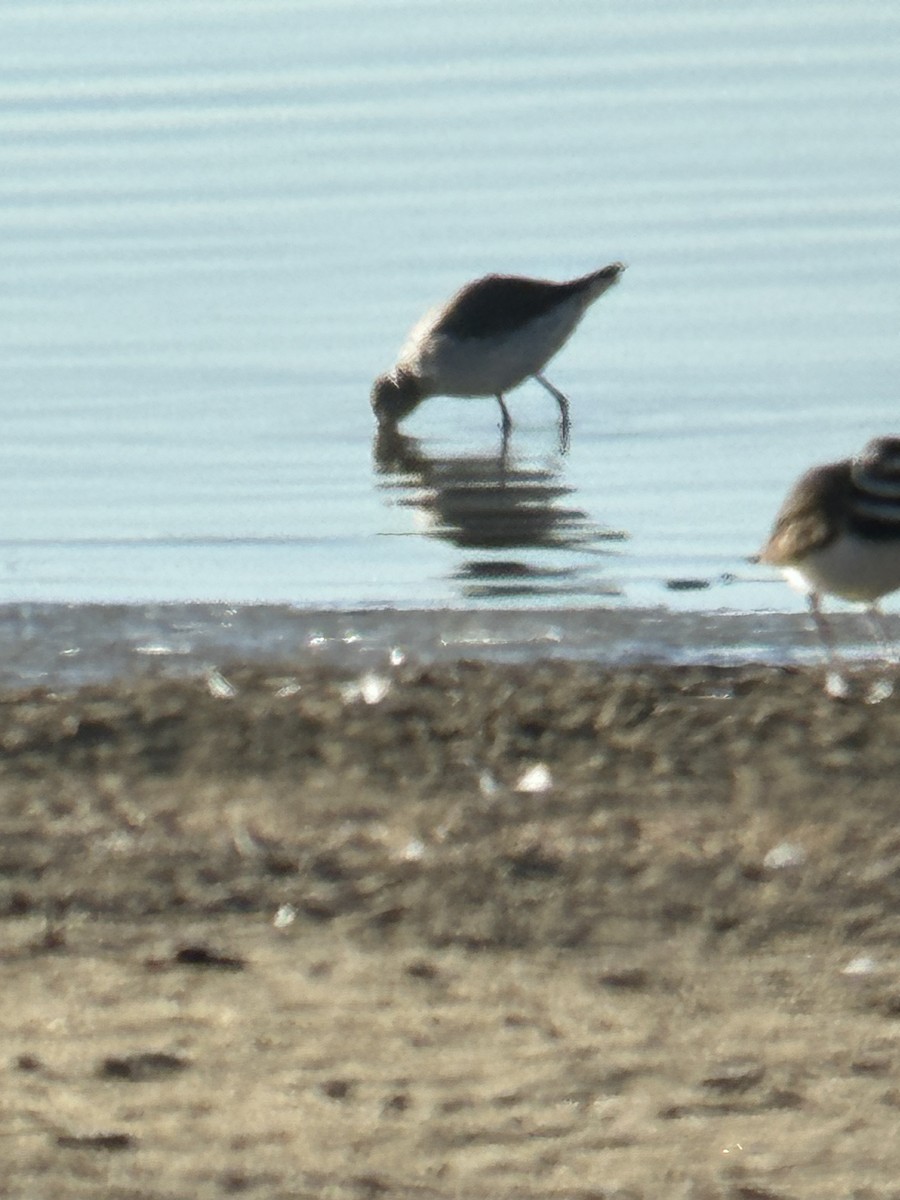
pixel 811 517
pixel 500 304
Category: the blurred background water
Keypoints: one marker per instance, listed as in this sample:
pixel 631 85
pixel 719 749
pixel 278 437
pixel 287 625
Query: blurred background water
pixel 219 220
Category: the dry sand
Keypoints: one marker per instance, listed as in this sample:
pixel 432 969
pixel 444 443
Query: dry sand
pixel 287 933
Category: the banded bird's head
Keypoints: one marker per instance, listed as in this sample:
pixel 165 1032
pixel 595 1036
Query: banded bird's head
pixel 395 395
pixel 876 470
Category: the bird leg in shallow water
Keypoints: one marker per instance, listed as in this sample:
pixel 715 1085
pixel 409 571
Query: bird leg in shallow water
pixel 507 419
pixel 836 684
pixel 878 626
pixel 563 402
pixel 881 689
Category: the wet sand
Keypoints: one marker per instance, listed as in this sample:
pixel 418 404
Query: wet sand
pixel 458 930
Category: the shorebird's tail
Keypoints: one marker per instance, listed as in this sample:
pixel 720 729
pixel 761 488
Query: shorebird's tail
pixel 601 281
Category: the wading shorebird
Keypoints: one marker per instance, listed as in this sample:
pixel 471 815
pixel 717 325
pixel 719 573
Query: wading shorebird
pixel 487 339
pixel 838 533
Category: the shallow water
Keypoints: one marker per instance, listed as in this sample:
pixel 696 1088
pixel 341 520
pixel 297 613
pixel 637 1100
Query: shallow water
pixel 218 223
pixel 66 646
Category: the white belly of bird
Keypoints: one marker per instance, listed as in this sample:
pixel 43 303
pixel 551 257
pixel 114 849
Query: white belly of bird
pixel 489 366
pixel 851 568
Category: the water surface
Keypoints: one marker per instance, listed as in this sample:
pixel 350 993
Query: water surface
pixel 217 223
pixel 61 647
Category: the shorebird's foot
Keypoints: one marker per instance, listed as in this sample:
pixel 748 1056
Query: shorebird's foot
pixel 878 691
pixel 837 685
pixel 565 425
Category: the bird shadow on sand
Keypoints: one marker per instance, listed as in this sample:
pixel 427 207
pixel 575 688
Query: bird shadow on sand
pixel 513 520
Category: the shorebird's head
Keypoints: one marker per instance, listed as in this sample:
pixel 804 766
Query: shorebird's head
pixel 877 468
pixel 395 395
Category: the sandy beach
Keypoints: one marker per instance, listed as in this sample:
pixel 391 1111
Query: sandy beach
pixel 458 930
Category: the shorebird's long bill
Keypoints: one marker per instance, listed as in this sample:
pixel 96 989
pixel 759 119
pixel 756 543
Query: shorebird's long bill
pixel 393 399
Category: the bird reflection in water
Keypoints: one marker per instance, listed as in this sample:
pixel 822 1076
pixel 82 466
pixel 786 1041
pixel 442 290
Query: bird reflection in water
pixel 498 510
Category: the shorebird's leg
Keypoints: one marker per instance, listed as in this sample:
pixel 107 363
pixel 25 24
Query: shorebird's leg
pixel 835 681
pixel 824 630
pixel 563 402
pixel 881 689
pixel 507 419
pixel 565 430
pixel 503 460
pixel 878 625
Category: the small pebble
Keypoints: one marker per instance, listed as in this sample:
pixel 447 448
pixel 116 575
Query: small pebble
pixel 734 1075
pixel 202 956
pixel 337 1089
pixel 626 979
pixel 487 784
pixel 370 688
pixel 285 916
pixel 218 686
pixel 139 1068
pixel 413 851
pixel 96 1141
pixel 291 688
pixel 785 854
pixel 863 964
pixel 536 779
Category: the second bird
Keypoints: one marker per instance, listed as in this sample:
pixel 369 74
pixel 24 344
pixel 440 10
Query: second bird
pixel 838 532
pixel 487 339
